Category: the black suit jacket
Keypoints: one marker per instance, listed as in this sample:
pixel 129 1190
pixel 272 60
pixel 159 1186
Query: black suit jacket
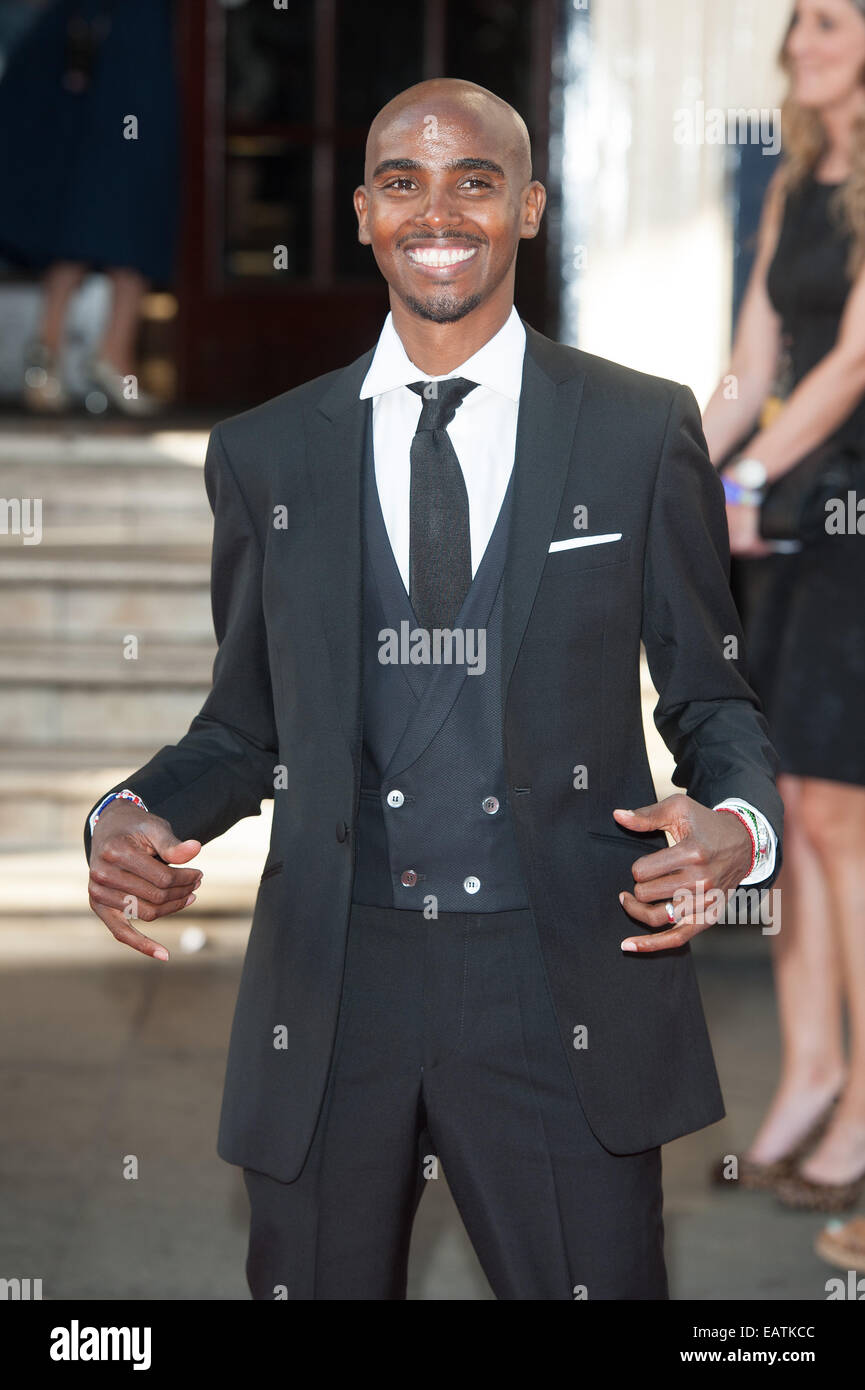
pixel 287 694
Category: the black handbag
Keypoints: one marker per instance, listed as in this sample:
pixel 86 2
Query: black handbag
pixel 794 506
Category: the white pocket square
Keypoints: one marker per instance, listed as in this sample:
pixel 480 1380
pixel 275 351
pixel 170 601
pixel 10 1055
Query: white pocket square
pixel 585 540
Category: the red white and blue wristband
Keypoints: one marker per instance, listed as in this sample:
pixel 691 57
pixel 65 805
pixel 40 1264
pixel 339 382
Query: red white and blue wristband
pixel 125 795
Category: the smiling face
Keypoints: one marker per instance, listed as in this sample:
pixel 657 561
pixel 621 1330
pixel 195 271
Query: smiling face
pixel 447 196
pixel 825 52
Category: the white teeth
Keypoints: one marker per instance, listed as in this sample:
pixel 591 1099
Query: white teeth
pixel 438 256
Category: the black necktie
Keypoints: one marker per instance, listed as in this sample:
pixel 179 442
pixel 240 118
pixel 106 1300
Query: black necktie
pixel 440 555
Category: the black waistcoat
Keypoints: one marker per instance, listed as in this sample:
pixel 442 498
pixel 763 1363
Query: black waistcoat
pixel 434 829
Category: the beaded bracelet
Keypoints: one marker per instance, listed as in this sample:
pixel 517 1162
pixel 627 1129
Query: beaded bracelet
pixel 125 795
pixel 755 844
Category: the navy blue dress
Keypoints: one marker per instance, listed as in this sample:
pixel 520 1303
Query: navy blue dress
pixel 72 187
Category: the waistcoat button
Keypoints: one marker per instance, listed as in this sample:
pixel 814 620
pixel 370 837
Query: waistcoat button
pixel 490 805
pixel 395 797
pixel 408 878
pixel 471 884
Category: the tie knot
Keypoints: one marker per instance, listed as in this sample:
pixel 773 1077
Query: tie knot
pixel 441 400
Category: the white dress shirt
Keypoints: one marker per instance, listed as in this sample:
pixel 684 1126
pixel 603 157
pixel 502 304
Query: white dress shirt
pixel 483 433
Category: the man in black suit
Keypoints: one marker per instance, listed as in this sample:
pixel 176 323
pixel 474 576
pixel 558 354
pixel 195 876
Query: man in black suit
pixel 432 571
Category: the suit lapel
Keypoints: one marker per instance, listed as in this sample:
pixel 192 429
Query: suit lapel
pixel 335 432
pixel 550 397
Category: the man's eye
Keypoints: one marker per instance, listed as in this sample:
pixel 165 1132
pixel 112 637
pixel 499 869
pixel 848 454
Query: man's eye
pixel 405 182
pixel 482 183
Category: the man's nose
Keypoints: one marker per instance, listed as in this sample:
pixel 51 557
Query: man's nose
pixel 439 207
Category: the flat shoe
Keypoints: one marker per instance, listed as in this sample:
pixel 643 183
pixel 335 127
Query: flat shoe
pixel 843 1244
pixel 108 388
pixel 765 1177
pixel 44 392
pixel 797 1191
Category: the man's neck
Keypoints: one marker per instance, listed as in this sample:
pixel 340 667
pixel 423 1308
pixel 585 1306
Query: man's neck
pixel 437 348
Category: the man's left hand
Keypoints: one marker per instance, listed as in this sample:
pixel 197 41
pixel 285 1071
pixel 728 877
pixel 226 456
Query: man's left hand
pixel 712 854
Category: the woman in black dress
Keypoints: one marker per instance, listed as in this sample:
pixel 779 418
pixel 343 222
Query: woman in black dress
pixel 804 612
pixel 88 176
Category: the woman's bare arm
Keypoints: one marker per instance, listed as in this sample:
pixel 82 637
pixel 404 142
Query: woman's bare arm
pixel 823 398
pixel 734 407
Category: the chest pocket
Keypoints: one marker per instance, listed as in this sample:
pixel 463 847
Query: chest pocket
pixel 568 564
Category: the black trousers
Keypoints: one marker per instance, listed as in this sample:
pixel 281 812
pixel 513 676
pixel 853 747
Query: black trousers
pixel 448 1051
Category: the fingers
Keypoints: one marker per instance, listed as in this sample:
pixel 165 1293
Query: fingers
pixel 122 929
pixel 113 877
pixel 169 848
pixel 121 854
pixel 652 889
pixel 680 861
pixel 672 814
pixel 132 874
pixel 654 915
pixel 128 906
pixel 663 941
pixel 650 914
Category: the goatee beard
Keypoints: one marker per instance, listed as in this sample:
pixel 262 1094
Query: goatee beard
pixel 444 308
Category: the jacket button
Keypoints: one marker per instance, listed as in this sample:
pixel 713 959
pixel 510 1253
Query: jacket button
pixel 490 805
pixel 395 797
pixel 341 831
pixel 408 878
pixel 471 884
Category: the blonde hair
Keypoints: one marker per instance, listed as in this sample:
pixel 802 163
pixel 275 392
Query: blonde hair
pixel 803 140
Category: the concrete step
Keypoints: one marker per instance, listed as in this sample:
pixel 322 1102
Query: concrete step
pixel 123 551
pixel 158 603
pixel 115 445
pixel 103 492
pixel 110 716
pixel 100 491
pixel 85 691
pixel 41 661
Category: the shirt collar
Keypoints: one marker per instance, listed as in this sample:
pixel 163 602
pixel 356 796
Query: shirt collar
pixel 497 365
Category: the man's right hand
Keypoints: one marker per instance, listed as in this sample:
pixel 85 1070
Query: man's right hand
pixel 131 877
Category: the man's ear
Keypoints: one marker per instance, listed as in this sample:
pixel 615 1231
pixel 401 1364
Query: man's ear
pixel 533 209
pixel 361 207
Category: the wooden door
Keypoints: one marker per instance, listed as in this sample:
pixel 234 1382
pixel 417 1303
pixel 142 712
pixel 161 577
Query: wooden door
pixel 277 106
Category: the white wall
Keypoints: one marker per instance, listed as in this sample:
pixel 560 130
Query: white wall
pixel 652 286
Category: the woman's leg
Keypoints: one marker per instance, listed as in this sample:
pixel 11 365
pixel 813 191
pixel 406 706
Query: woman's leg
pixel 807 969
pixel 833 816
pixel 59 283
pixel 117 348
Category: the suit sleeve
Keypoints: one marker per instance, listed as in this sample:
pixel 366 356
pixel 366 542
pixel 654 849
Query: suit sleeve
pixel 707 713
pixel 223 767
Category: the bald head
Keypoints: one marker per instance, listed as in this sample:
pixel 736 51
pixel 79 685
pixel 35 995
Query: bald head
pixel 451 101
pixel 447 197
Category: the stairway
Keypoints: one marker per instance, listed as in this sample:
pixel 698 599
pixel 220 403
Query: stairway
pixel 106 641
